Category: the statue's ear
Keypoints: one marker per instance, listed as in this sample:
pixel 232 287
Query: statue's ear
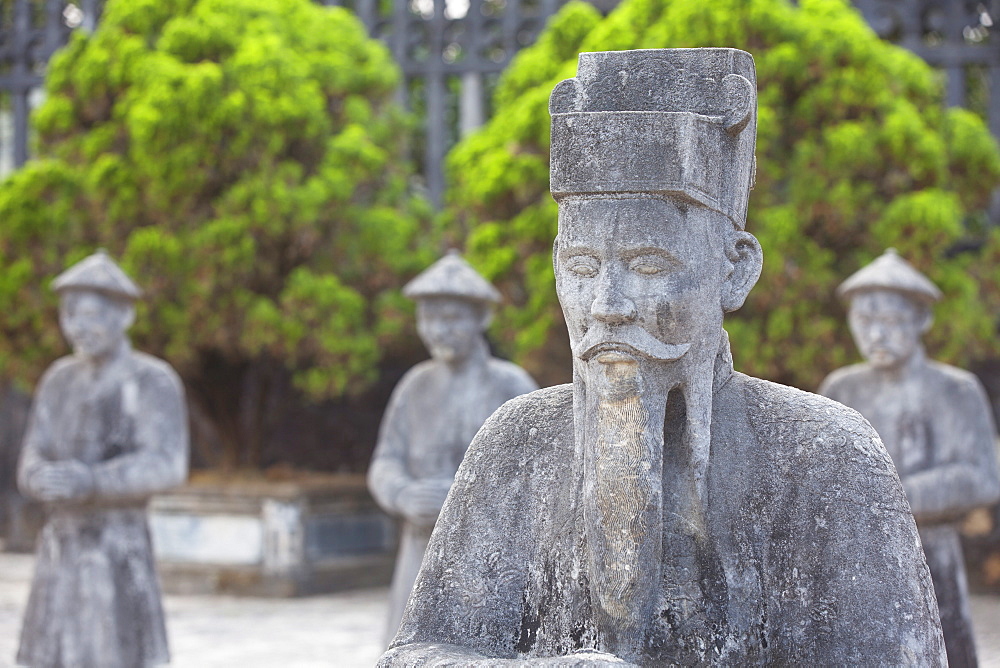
pixel 486 317
pixel 927 319
pixel 746 259
pixel 128 317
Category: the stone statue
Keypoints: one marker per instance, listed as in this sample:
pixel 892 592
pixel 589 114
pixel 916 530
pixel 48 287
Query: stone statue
pixel 934 419
pixel 436 410
pixel 108 428
pixel 665 509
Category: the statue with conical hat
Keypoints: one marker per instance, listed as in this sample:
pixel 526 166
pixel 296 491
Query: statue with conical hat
pixel 108 429
pixel 934 419
pixel 664 509
pixel 436 410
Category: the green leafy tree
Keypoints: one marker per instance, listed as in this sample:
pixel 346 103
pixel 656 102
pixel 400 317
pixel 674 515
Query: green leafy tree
pixel 855 153
pixel 244 160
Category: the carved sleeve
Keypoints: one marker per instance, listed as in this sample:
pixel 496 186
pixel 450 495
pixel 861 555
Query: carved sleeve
pixel 158 458
pixel 37 437
pixel 388 473
pixel 856 589
pixel 966 474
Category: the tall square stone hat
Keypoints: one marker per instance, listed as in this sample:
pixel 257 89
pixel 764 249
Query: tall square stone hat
pixel 890 272
pixel 676 122
pixel 452 276
pixel 97 272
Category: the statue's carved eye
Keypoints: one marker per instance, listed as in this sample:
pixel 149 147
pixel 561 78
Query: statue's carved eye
pixel 649 265
pixel 582 265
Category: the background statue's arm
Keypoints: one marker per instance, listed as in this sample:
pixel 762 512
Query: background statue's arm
pixel 948 491
pixel 388 474
pixel 37 440
pixel 32 460
pixel 394 487
pixel 159 460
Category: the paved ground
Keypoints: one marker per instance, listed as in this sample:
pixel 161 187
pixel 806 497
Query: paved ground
pixel 228 632
pixel 323 631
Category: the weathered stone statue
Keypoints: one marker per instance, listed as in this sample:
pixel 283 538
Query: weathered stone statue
pixel 436 410
pixel 934 419
pixel 108 428
pixel 664 509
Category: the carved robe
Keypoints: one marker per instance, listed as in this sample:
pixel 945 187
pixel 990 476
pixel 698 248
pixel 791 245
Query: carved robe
pixel 431 418
pixel 937 425
pixel 811 555
pixel 95 599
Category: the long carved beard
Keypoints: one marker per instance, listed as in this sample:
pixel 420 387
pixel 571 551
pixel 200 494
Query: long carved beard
pixel 623 502
pixel 644 500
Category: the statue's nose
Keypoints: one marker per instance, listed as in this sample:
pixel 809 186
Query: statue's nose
pixel 610 305
pixel 878 332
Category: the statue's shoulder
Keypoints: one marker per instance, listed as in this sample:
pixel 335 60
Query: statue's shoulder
pixel 779 403
pixel 530 423
pixel 420 372
pixel 535 409
pixel 60 370
pixel 952 380
pixel 510 375
pixel 846 377
pixel 526 442
pixel 811 424
pixel 153 370
pixel 819 442
pixel 416 377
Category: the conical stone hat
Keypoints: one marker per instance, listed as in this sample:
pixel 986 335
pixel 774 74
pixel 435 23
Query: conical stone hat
pixel 451 276
pixel 97 272
pixel 890 272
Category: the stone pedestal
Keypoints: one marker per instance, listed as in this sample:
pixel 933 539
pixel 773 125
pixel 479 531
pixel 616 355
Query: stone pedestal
pixel 271 538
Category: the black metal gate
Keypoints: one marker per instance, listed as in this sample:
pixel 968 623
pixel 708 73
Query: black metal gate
pixel 957 36
pixel 451 52
pixel 30 32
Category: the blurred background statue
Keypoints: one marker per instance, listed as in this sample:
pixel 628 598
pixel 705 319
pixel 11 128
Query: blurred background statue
pixel 436 409
pixel 108 429
pixel 933 418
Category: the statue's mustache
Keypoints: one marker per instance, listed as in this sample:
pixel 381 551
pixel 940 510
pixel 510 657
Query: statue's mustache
pixel 627 338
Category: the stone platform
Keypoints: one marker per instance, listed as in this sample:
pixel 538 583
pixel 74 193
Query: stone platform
pixel 265 538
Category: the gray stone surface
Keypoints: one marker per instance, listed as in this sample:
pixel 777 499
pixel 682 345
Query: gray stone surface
pixel 436 410
pixel 228 632
pixel 934 419
pixel 108 429
pixel 665 509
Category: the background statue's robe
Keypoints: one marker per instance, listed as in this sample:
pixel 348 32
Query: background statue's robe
pixel 95 599
pixel 806 518
pixel 937 425
pixel 431 418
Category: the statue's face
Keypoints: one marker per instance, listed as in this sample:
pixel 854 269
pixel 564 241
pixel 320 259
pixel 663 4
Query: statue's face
pixel 886 326
pixel 640 277
pixel 450 327
pixel 93 323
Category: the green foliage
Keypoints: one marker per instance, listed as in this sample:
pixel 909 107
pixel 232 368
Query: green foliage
pixel 245 161
pixel 855 153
